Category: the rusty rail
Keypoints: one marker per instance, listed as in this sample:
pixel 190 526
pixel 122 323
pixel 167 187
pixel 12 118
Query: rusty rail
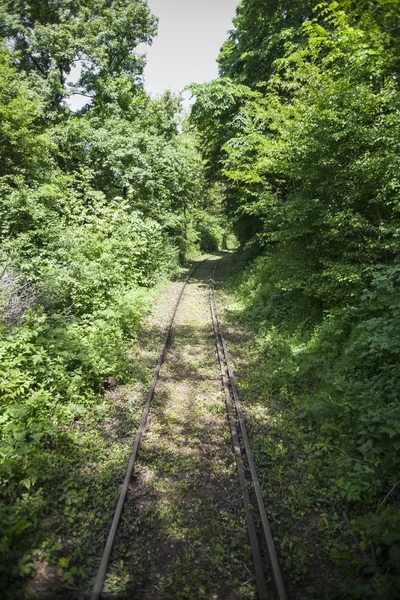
pixel 266 529
pixel 102 572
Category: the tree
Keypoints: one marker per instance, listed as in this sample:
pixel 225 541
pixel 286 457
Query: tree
pixel 48 38
pixel 261 31
pixel 24 149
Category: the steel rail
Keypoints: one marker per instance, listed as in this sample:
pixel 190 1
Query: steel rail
pixel 255 550
pixel 102 572
pixel 273 558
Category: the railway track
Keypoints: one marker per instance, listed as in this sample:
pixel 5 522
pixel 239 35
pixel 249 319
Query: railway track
pixel 261 542
pixel 231 391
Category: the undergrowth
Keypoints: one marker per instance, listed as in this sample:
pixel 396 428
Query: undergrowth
pixel 321 391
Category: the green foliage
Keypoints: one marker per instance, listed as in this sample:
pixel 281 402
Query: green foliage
pixel 48 39
pixel 23 146
pixel 303 132
pixel 261 31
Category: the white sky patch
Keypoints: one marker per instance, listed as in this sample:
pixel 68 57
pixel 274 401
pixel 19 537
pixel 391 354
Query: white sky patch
pixel 190 35
pixel 77 101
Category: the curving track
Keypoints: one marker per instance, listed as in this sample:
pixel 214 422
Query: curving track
pixel 244 461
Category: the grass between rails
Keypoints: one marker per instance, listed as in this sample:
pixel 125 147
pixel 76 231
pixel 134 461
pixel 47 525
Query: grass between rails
pixel 183 533
pixel 321 536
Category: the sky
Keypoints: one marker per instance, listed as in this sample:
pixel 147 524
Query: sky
pixel 190 35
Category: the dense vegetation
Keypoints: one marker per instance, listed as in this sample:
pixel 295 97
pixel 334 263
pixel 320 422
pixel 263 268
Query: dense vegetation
pixel 95 207
pixel 299 143
pixel 302 130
